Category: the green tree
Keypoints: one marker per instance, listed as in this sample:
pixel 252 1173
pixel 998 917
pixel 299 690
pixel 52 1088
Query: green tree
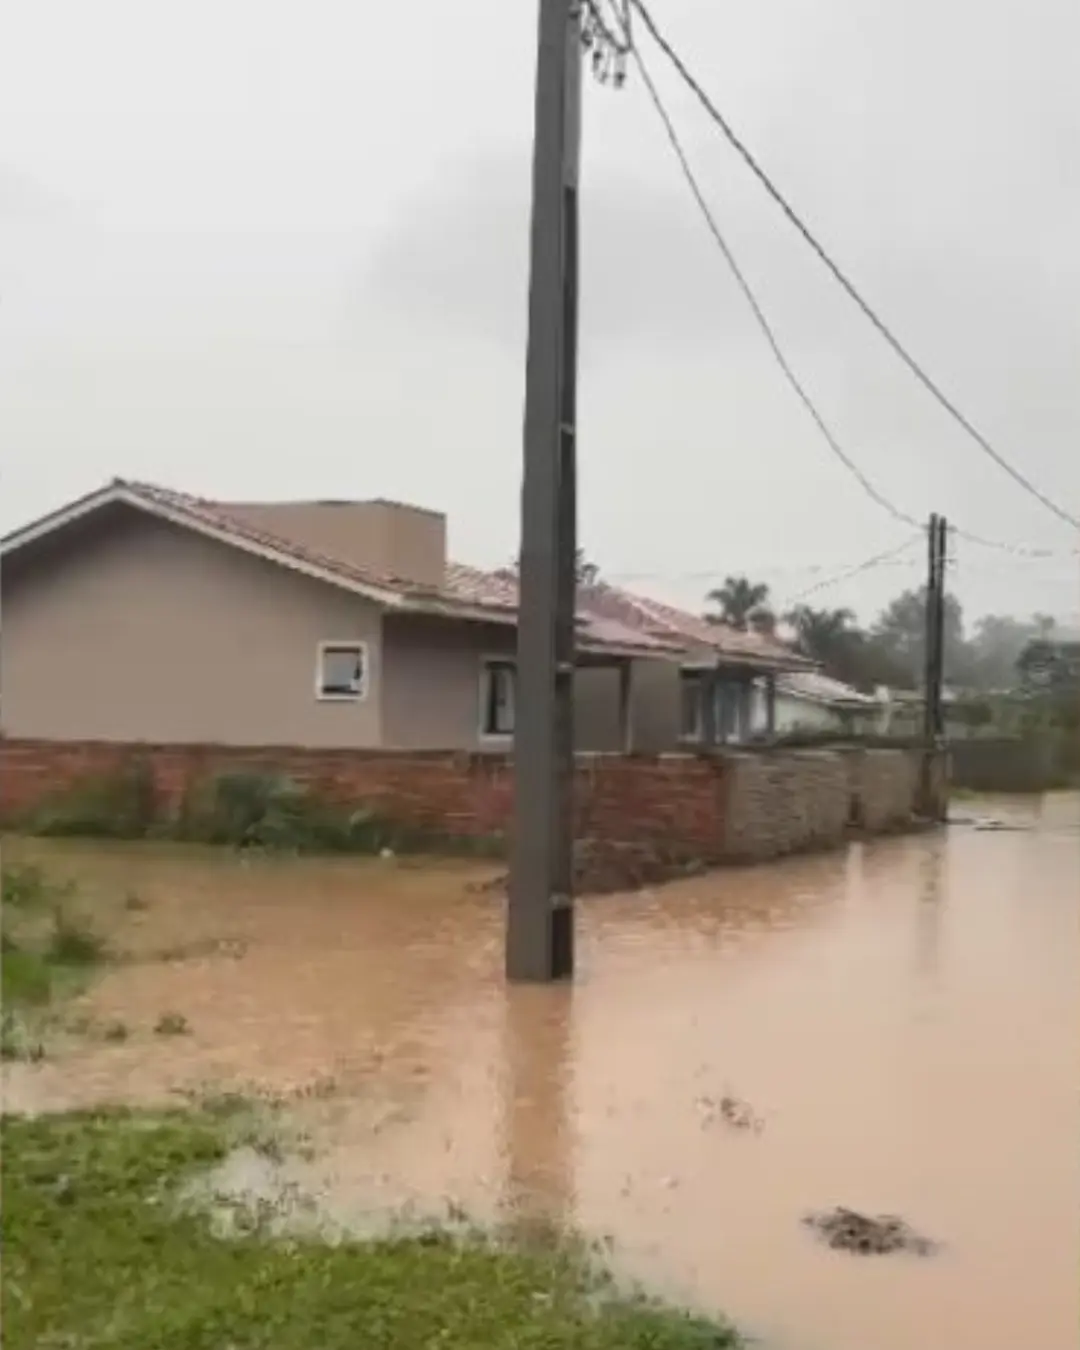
pixel 740 602
pixel 900 633
pixel 822 634
pixel 844 651
pixel 998 643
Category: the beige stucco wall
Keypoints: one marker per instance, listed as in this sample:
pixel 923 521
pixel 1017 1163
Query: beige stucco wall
pixel 431 681
pixel 127 628
pixel 393 539
pixel 431 690
pixel 656 706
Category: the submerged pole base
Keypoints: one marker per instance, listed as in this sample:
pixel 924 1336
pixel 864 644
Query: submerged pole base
pixel 562 938
pixel 541 951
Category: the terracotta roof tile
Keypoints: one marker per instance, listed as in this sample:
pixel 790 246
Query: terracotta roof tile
pixel 662 620
pixel 501 589
pixel 607 615
pixel 467 590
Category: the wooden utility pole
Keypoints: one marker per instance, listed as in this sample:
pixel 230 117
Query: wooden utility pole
pixel 540 920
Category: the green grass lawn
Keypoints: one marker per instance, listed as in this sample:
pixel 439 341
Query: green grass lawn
pixel 99 1252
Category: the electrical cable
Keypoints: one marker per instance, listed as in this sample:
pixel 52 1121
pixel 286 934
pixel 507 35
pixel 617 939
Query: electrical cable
pixel 751 298
pixel 865 566
pixel 1020 550
pixel 623 46
pixel 894 342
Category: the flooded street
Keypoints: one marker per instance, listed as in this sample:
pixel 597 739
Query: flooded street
pixel 903 1019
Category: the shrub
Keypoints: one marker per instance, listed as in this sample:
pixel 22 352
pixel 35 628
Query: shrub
pixel 118 805
pixel 243 808
pixel 272 811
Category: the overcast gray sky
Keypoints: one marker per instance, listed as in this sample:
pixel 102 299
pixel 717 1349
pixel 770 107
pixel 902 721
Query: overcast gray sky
pixel 265 247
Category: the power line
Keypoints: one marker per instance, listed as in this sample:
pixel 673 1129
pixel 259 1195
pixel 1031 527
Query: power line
pixel 876 561
pixel 894 342
pixel 777 571
pixel 623 46
pixel 712 576
pixel 1019 550
pixel 759 314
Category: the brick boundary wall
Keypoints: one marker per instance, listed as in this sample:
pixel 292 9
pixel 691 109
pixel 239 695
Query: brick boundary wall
pixel 638 817
pixel 675 802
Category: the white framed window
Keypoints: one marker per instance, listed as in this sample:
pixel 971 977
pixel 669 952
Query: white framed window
pixel 341 671
pixel 691 713
pixel 498 679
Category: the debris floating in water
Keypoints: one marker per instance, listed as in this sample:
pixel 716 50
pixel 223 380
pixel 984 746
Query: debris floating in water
pixel 738 1114
pixel 847 1230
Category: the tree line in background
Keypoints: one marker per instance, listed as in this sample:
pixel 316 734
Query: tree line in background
pixel 891 650
pixel 1002 653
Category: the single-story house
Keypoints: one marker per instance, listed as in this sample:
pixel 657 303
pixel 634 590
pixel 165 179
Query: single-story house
pixel 901 711
pixel 138 613
pixel 728 678
pixel 807 700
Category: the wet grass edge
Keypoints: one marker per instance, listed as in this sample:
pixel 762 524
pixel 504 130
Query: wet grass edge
pixel 99 1250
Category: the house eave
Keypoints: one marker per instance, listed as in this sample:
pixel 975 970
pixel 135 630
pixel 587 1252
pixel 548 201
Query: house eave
pixel 763 665
pixel 121 494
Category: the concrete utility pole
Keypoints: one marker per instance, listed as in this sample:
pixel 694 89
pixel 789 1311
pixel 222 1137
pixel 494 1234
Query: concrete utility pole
pixel 939 631
pixel 934 708
pixel 931 631
pixel 540 919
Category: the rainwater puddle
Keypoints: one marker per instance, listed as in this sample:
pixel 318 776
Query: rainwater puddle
pixel 892 1029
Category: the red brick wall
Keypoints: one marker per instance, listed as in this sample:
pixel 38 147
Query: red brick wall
pixel 671 802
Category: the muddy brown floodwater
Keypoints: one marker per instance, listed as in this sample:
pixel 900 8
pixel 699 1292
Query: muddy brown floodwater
pixel 900 1023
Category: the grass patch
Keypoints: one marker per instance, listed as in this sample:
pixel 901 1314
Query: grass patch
pixel 48 952
pixel 28 978
pixel 97 1252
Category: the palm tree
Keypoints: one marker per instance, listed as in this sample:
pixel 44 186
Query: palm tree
pixel 739 601
pixel 822 634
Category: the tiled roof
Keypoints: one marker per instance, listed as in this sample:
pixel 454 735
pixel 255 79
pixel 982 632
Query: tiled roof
pixel 609 619
pixel 482 588
pixel 468 592
pixel 697 634
pixel 811 684
pixel 501 589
